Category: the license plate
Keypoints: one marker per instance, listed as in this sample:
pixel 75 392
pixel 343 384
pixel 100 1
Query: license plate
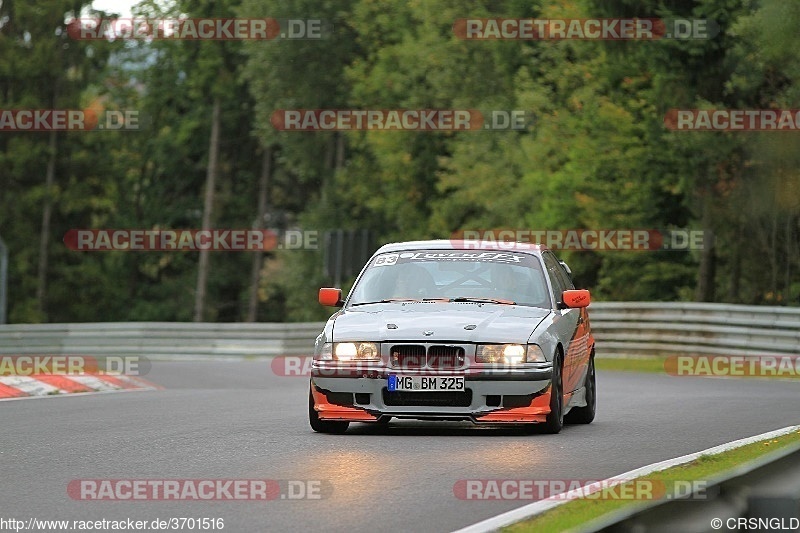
pixel 425 383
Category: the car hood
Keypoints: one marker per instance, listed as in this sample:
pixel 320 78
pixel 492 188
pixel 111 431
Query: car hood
pixel 447 321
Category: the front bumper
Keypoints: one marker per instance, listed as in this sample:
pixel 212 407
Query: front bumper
pixel 517 395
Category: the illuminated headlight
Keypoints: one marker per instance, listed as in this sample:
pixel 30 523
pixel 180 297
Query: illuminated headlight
pixel 355 351
pixel 509 354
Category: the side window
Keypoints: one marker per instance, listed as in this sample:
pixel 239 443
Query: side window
pixel 553 271
pixel 566 280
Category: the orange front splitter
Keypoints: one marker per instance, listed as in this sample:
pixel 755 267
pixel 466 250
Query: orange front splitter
pixel 537 411
pixel 331 411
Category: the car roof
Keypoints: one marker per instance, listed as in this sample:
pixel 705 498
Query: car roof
pixel 456 244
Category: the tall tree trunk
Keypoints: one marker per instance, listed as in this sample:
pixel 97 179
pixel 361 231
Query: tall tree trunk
pixel 208 206
pixel 774 254
pixel 736 263
pixel 339 151
pixel 47 211
pixel 736 273
pixel 263 196
pixel 705 280
pixel 787 284
pixel 138 209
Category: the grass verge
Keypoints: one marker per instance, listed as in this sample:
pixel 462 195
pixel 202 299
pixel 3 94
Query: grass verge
pixel 709 366
pixel 653 364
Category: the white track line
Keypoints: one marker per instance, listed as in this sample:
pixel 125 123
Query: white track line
pixel 536 508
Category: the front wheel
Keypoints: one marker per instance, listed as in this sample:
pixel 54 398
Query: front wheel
pixel 585 414
pixel 324 426
pixel 555 419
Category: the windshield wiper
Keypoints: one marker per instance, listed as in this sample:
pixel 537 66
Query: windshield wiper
pixel 483 300
pixel 388 301
pixel 405 300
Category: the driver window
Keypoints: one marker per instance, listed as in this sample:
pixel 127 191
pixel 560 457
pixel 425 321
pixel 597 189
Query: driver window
pixel 553 271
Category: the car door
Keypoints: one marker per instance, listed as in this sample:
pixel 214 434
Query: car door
pixel 580 346
pixel 566 323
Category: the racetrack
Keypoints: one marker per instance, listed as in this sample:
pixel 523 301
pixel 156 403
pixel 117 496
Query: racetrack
pixel 239 420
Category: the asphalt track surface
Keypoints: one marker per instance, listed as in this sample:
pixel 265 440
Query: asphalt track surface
pixel 238 420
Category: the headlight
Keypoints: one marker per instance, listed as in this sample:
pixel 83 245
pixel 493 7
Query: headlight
pixel 509 354
pixel 535 354
pixel 356 351
pixel 326 353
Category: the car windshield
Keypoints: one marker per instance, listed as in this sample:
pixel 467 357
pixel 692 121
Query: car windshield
pixel 453 275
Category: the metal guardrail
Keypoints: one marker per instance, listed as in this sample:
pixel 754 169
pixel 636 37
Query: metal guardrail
pixel 766 489
pixel 632 328
pixel 650 328
pixel 160 340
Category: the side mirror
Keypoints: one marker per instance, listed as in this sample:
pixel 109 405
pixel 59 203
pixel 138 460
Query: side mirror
pixel 576 298
pixel 330 297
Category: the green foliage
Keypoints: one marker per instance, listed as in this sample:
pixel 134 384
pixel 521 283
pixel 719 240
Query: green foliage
pixel 596 155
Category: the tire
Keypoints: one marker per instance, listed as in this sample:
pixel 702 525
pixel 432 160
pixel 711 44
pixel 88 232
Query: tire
pixel 585 414
pixel 555 419
pixel 324 426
